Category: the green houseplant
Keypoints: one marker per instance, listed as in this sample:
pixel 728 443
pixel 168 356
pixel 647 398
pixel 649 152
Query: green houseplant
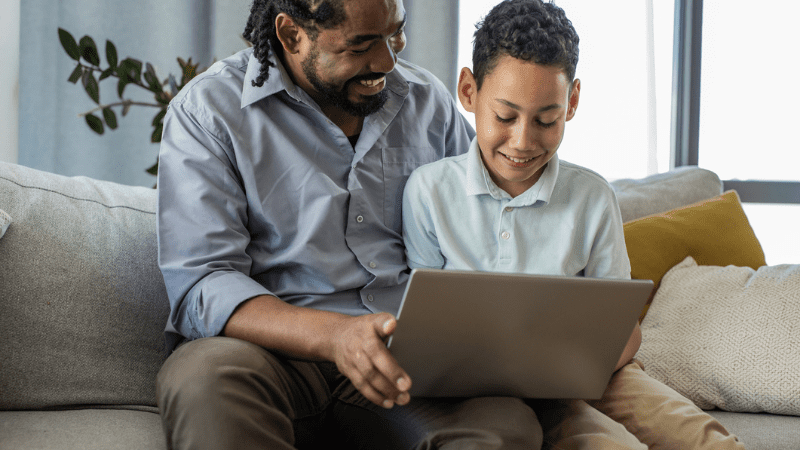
pixel 127 72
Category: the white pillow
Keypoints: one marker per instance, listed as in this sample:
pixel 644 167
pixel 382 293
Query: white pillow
pixel 727 337
pixel 5 221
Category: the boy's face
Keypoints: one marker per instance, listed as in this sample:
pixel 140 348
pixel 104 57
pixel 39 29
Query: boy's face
pixel 520 113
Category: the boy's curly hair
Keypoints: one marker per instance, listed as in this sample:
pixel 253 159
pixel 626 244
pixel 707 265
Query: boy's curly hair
pixel 311 15
pixel 530 30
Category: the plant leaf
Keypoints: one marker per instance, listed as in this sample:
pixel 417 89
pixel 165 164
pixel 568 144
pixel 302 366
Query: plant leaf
pixel 125 108
pixel 91 86
pixel 156 136
pixel 95 123
pixel 111 54
pixel 159 118
pixel 106 73
pixel 69 44
pixel 110 118
pixel 123 81
pixel 132 69
pixel 152 79
pixel 153 170
pixel 89 51
pixel 76 74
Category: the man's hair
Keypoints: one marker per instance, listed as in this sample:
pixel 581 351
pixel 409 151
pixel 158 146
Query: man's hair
pixel 311 15
pixel 530 30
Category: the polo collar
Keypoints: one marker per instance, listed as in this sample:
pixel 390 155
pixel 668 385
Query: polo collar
pixel 479 182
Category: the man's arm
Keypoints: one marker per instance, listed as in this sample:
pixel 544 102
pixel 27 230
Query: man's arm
pixel 355 344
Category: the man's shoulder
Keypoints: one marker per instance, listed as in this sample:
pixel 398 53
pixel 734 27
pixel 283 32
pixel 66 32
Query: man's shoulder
pixel 222 80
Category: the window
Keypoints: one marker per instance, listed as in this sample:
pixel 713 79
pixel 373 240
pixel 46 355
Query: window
pixel 739 114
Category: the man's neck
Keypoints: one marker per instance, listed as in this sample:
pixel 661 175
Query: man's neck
pixel 349 124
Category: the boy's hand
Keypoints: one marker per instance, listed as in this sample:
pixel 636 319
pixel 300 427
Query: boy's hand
pixel 360 353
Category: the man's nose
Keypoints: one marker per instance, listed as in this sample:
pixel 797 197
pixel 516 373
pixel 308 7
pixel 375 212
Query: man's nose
pixel 384 60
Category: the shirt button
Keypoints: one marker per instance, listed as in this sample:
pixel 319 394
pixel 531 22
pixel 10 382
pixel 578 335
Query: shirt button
pixel 505 235
pixel 509 209
pixel 372 264
pixel 371 298
pixel 360 219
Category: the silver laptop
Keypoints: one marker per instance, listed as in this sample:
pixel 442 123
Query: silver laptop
pixel 472 334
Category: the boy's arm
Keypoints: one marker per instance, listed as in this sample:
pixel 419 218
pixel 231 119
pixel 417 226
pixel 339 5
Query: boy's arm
pixel 419 230
pixel 631 347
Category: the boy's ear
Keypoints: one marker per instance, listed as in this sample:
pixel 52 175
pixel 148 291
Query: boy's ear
pixel 288 32
pixel 467 90
pixel 574 97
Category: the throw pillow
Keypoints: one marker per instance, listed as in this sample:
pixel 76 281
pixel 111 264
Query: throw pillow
pixel 715 232
pixel 5 221
pixel 727 337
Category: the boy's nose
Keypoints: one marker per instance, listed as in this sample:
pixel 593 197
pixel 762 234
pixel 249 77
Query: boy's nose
pixel 523 136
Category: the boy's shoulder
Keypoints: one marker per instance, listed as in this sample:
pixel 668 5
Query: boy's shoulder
pixel 445 169
pixel 571 172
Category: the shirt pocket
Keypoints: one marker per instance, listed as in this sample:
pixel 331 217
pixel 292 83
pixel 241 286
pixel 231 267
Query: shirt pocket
pixel 398 163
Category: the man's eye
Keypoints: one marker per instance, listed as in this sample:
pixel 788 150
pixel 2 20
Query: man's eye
pixel 359 52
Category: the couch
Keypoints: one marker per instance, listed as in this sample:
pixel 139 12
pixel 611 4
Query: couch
pixel 83 308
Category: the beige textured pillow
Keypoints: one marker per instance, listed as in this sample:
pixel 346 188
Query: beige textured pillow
pixel 5 221
pixel 727 337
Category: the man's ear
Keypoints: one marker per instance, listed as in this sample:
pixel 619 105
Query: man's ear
pixel 289 33
pixel 574 97
pixel 467 89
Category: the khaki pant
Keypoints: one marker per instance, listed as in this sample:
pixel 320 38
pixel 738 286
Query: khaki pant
pixel 223 393
pixel 659 416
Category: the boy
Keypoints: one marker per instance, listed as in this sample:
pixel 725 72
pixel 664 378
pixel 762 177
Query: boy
pixel 510 205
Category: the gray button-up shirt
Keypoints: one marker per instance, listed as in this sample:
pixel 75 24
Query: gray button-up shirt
pixel 259 193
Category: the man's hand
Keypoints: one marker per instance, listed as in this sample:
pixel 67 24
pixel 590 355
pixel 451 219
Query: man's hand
pixel 355 344
pixel 360 353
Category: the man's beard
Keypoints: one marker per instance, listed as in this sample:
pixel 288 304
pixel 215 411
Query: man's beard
pixel 339 98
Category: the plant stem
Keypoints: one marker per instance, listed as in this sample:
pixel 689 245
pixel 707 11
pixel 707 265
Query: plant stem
pixel 122 103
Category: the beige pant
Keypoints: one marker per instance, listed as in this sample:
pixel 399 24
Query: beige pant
pixel 659 416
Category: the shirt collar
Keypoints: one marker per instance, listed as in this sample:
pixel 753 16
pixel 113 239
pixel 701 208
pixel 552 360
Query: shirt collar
pixel 479 182
pixel 279 80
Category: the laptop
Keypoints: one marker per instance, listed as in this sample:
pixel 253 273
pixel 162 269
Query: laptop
pixel 473 334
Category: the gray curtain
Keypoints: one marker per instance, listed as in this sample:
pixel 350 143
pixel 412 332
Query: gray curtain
pixel 54 138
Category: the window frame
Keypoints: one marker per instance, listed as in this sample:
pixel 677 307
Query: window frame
pixel 685 124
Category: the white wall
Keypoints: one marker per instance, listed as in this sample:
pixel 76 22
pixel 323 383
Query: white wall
pixel 9 80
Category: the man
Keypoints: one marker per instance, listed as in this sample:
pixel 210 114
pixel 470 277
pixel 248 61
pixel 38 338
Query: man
pixel 279 227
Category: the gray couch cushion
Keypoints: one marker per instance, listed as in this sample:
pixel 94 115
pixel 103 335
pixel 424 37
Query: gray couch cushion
pixel 762 431
pixel 99 429
pixel 665 191
pixel 83 304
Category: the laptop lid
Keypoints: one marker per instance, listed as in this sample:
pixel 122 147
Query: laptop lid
pixel 471 334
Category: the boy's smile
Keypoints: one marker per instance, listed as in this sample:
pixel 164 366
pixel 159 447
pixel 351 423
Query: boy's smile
pixel 520 113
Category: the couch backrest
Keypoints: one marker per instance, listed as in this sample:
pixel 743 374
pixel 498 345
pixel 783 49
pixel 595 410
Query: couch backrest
pixel 665 191
pixel 82 301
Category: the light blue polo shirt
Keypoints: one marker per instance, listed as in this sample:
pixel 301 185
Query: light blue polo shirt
pixel 568 223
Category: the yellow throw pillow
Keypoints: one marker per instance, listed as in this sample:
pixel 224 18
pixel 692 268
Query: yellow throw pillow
pixel 715 232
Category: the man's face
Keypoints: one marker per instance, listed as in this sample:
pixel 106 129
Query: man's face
pixel 520 114
pixel 346 67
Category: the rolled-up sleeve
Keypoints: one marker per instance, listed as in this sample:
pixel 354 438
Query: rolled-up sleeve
pixel 202 227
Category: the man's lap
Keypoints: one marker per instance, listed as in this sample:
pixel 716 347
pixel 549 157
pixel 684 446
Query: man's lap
pixel 314 400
